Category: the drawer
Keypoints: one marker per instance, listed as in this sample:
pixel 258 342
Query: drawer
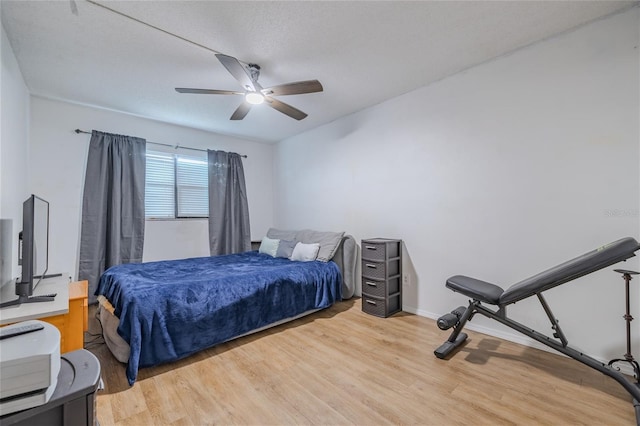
pixel 375 270
pixel 373 287
pixel 380 249
pixel 373 306
pixel 380 270
pixel 380 288
pixel 381 307
pixel 373 251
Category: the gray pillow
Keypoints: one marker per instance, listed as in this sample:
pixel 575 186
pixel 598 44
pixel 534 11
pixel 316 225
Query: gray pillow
pixel 285 248
pixel 281 234
pixel 329 242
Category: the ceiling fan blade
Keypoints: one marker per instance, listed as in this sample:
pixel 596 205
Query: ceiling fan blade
pixel 297 88
pixel 285 108
pixel 241 111
pixel 208 91
pixel 236 69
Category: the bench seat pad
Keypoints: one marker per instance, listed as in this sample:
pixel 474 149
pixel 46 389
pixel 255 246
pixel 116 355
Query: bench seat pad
pixel 476 289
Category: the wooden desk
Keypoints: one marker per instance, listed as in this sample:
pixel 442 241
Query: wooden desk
pixel 68 312
pixel 27 311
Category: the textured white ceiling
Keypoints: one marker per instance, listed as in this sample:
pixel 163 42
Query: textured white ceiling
pixel 363 52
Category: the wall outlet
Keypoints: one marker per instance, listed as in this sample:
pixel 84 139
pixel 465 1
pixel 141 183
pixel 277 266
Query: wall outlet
pixel 405 279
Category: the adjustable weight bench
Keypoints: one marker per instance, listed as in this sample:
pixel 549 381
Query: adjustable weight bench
pixel 482 292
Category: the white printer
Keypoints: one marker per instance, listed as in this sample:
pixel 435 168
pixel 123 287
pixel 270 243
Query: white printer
pixel 29 365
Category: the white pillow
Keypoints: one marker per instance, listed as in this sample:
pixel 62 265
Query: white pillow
pixel 305 252
pixel 269 246
pixel 329 242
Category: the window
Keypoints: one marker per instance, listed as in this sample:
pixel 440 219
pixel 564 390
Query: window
pixel 176 186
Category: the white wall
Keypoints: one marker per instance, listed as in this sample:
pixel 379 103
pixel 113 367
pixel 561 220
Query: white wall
pixel 58 161
pixel 498 172
pixel 14 134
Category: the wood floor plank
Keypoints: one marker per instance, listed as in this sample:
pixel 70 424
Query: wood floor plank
pixel 125 405
pixel 342 366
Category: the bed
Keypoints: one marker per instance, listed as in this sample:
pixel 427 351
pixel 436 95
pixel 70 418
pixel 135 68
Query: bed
pixel 146 308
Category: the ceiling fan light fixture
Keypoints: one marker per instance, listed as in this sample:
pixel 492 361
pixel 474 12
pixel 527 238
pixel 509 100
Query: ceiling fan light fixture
pixel 253 92
pixel 254 98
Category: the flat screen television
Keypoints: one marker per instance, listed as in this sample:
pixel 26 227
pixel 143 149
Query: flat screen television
pixel 33 251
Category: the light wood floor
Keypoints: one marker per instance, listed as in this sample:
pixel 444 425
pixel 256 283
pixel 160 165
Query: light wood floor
pixel 341 366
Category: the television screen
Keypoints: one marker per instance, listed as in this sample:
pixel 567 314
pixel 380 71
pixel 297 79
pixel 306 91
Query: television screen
pixel 40 237
pixel 34 251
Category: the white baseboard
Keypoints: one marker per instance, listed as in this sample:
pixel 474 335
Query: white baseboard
pixel 515 338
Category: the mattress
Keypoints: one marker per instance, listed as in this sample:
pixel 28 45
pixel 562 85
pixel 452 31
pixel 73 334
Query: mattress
pixel 145 308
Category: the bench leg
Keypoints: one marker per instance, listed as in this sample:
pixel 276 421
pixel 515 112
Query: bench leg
pixel 456 338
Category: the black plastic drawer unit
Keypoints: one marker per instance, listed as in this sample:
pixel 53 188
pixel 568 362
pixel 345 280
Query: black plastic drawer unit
pixel 381 276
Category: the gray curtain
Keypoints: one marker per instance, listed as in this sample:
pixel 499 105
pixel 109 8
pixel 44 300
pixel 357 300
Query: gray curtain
pixel 112 206
pixel 228 207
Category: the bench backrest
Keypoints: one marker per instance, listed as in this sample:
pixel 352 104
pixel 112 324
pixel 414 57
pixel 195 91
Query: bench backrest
pixel 592 261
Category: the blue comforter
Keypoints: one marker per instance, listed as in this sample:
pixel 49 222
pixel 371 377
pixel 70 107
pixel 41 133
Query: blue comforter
pixel 171 309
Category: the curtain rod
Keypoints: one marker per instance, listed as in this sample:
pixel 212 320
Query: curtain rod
pixel 78 131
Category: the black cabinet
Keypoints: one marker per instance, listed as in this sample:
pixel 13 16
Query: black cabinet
pixel 74 399
pixel 381 276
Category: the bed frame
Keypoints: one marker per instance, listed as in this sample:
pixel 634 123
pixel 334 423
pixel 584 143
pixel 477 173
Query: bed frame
pixel 345 257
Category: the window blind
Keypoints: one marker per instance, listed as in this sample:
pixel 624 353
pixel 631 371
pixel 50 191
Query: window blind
pixel 159 201
pixel 176 186
pixel 192 186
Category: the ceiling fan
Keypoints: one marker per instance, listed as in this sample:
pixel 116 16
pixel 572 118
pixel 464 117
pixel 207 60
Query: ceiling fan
pixel 253 92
